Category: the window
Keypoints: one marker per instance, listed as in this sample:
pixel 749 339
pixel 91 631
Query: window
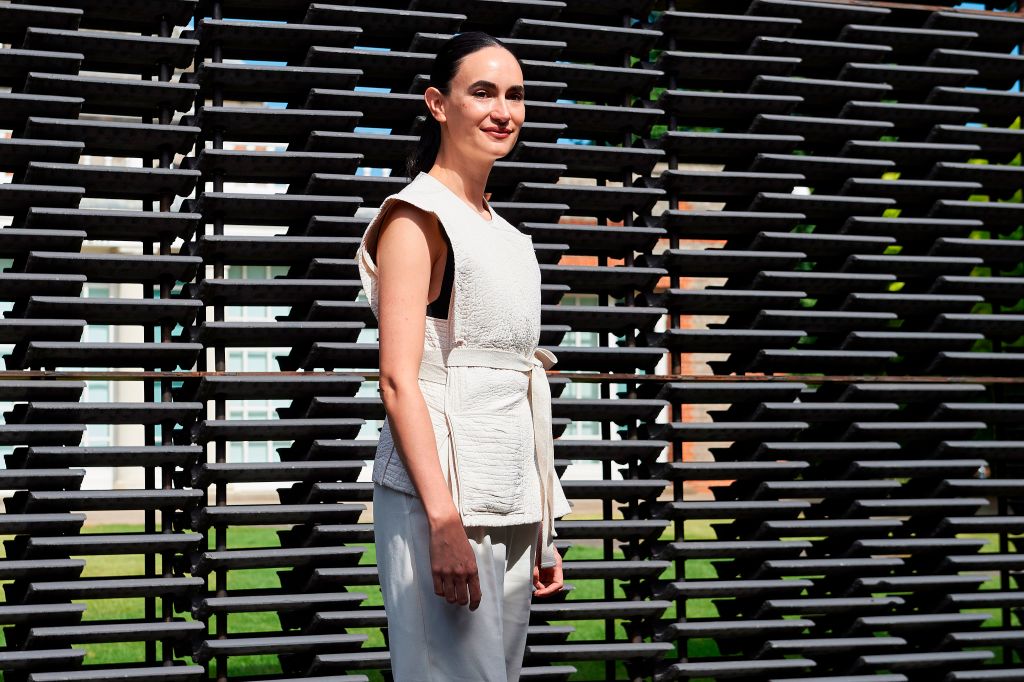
pixel 582 390
pixel 97 435
pixel 254 360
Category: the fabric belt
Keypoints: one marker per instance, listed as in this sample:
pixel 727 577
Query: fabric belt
pixel 434 368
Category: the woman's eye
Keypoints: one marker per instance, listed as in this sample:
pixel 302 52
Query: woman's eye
pixel 480 93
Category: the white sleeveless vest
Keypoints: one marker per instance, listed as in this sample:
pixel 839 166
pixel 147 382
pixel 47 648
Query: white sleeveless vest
pixel 482 374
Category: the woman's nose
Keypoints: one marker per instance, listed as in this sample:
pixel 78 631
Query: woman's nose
pixel 500 110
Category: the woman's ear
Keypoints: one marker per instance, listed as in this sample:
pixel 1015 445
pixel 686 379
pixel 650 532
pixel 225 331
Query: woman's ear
pixel 435 103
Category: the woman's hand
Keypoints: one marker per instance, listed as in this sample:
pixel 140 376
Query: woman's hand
pixel 453 563
pixel 548 581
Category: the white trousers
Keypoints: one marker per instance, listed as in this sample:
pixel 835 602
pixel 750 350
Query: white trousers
pixel 431 640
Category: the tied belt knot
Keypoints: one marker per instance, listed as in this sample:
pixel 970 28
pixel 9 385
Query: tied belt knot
pixel 434 367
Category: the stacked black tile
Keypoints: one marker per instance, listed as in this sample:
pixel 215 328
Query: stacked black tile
pixel 317 68
pixel 860 164
pixel 827 488
pixel 86 81
pixel 588 224
pixel 315 238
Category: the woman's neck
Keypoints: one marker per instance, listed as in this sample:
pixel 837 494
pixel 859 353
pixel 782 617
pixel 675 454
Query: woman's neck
pixel 467 183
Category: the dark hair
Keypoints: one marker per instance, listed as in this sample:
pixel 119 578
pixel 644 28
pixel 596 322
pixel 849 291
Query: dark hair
pixel 445 65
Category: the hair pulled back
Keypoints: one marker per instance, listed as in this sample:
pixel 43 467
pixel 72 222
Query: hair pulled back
pixel 446 64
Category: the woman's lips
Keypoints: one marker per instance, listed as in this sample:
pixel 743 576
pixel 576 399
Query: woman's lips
pixel 498 134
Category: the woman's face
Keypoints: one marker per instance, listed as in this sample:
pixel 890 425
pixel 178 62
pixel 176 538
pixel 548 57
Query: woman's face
pixel 484 109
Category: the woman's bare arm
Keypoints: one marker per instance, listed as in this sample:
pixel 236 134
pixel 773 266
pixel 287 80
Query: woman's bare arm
pixel 404 258
pixel 408 243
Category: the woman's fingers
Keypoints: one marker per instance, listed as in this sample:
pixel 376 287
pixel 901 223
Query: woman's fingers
pixel 458 584
pixel 558 578
pixel 450 590
pixel 463 573
pixel 453 565
pixel 462 589
pixel 474 591
pixel 546 587
pixel 548 580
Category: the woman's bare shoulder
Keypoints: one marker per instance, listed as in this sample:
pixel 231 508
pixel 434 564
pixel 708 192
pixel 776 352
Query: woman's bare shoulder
pixel 405 220
pixel 401 210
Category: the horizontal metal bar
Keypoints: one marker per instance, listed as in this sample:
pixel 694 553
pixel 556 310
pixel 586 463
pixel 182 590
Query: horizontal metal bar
pixel 910 6
pixel 615 377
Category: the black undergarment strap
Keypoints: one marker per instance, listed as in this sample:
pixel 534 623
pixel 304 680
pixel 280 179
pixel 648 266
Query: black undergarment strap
pixel 439 307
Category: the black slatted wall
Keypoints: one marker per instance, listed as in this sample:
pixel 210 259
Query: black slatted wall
pixel 781 239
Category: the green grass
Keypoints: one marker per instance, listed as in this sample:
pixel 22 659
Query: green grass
pixel 267 622
pixel 106 566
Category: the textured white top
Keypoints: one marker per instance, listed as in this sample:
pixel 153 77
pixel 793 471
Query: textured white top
pixel 482 415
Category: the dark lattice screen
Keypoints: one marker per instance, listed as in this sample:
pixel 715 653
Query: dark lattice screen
pixel 783 272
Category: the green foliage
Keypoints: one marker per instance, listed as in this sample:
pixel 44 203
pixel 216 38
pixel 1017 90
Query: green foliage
pixel 106 566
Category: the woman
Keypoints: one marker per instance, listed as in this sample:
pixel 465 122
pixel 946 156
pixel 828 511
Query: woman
pixel 465 490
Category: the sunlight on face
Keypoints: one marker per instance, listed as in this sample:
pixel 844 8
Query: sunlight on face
pixel 485 107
